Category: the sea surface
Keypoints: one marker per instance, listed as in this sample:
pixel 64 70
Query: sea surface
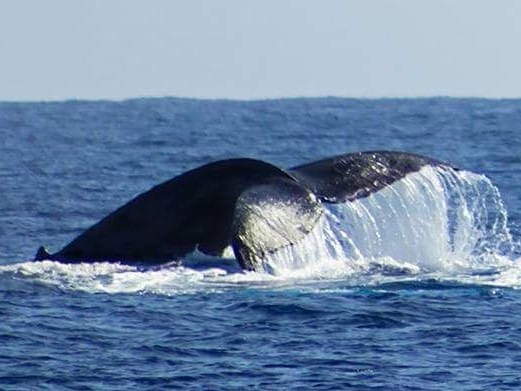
pixel 416 287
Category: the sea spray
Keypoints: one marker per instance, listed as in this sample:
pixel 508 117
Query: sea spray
pixel 437 219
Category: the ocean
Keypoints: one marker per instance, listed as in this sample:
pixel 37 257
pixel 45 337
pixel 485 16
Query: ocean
pixel 415 287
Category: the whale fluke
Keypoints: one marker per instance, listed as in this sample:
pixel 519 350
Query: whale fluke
pixel 357 175
pixel 192 210
pixel 254 206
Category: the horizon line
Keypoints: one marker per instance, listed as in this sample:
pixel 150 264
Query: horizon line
pixel 258 99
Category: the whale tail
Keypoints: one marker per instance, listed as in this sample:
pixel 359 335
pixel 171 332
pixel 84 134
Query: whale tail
pixel 42 254
pixel 252 205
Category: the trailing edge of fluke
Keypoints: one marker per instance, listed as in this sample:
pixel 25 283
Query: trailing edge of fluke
pixel 254 206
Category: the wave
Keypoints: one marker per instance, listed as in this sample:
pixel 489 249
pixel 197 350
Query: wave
pixel 436 223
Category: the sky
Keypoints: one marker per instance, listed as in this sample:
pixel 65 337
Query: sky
pixel 250 49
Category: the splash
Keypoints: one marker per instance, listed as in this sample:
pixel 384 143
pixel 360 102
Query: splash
pixel 436 223
pixel 113 278
pixel 435 220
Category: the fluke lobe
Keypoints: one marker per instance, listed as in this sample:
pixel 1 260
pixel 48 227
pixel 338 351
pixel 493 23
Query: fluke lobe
pixel 252 205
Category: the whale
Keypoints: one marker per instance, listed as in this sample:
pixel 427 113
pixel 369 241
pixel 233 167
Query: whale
pixel 250 205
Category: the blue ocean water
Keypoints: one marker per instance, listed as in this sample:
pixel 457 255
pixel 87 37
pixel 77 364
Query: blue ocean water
pixel 414 288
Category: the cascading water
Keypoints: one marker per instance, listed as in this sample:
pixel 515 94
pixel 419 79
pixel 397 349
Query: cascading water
pixel 437 219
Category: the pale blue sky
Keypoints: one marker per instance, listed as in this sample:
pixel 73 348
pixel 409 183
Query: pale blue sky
pixel 257 49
